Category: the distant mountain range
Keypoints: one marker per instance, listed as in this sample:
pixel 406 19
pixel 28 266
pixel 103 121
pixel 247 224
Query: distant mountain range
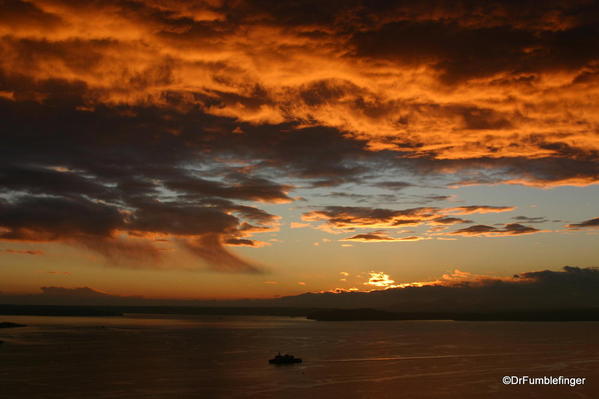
pixel 570 288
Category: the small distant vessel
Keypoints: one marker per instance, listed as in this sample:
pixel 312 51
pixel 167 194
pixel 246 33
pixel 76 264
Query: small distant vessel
pixel 284 359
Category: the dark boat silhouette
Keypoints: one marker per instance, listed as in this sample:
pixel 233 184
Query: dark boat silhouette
pixel 284 359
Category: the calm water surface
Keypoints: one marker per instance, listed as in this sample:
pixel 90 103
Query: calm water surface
pixel 154 356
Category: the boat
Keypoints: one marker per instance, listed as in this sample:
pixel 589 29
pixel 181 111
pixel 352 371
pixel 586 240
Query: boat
pixel 284 359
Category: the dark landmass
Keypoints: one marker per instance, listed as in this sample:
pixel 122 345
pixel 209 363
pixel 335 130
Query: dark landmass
pixel 318 314
pixel 221 311
pixel 545 290
pixel 57 310
pixel 520 315
pixel 8 324
pixel 50 310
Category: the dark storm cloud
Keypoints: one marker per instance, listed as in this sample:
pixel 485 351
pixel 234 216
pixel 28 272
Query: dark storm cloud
pixel 48 219
pixel 125 155
pixel 307 154
pixel 73 221
pixel 447 45
pixel 461 52
pixel 47 181
pixel 81 165
pixel 98 227
pixel 121 159
pixel 246 188
pixel 171 123
pixel 576 170
pixel 463 40
pixel 210 247
pixel 179 219
pixel 513 45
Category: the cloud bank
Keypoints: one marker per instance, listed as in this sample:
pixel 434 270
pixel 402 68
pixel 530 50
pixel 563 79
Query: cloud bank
pixel 569 288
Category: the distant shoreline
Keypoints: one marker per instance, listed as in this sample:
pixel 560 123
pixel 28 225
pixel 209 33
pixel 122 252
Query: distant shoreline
pixel 7 324
pixel 508 315
pixel 317 314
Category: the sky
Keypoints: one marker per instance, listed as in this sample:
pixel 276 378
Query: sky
pixel 258 149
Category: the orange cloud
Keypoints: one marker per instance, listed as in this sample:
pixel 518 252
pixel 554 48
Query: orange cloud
pixel 347 218
pixel 341 217
pixel 152 124
pixel 380 280
pixel 406 81
pixel 467 210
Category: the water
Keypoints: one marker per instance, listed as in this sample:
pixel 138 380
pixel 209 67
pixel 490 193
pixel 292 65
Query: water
pixel 154 356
